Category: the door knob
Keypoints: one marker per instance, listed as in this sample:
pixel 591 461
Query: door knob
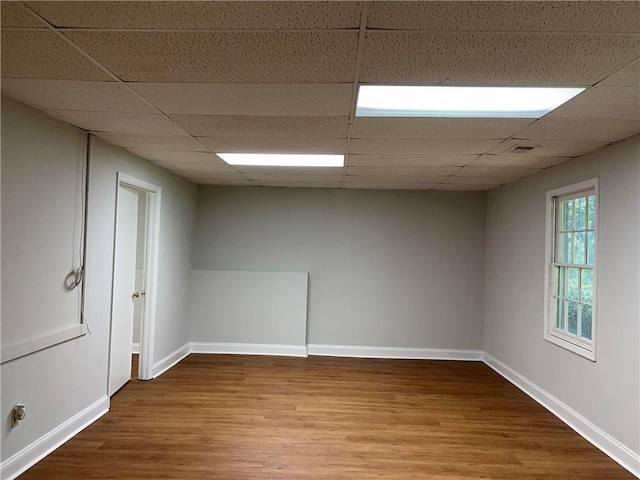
pixel 135 295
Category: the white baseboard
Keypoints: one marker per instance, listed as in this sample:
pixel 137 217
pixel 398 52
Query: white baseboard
pixel 394 352
pixel 609 445
pixel 135 348
pixel 32 454
pixel 170 360
pixel 249 349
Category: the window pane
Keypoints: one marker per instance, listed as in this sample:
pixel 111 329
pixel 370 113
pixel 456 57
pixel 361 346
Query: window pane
pixel 579 252
pixel 586 321
pixel 586 285
pixel 572 318
pixel 560 314
pixel 567 215
pixel 561 279
pixel 591 247
pixel 581 213
pixel 592 212
pixel 573 283
pixel 565 248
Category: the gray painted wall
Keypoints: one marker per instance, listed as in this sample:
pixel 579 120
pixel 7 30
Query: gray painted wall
pixel 606 392
pixel 386 268
pixel 61 381
pixel 248 307
pixel 41 213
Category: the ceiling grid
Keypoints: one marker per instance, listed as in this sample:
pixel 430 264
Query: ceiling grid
pixel 354 91
pixel 67 40
pixel 177 81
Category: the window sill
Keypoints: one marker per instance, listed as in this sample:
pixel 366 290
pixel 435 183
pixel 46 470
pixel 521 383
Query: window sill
pixel 572 347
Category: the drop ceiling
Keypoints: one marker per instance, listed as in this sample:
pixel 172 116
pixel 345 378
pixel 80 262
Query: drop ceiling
pixel 175 82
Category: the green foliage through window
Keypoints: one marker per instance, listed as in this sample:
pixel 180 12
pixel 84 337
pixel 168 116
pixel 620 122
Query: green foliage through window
pixel 574 260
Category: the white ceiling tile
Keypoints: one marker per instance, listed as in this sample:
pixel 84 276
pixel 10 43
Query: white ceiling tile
pixel 208 174
pixel 420 146
pixel 14 15
pixel 389 186
pixel 263 127
pixel 549 148
pixel 74 95
pixel 253 171
pixel 256 99
pixel 603 102
pixel 393 179
pixel 213 168
pixel 518 160
pixel 468 128
pixel 282 88
pixel 132 123
pixel 390 171
pixel 177 156
pixel 505 172
pixel 391 160
pixel 465 180
pixel 452 58
pixel 506 16
pixel 464 188
pixel 42 54
pixel 274 145
pixel 243 57
pixel 156 142
pixel 219 181
pixel 298 184
pixel 580 129
pixel 201 15
pixel 627 76
pixel 284 177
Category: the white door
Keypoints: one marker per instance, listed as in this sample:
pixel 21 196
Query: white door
pixel 124 278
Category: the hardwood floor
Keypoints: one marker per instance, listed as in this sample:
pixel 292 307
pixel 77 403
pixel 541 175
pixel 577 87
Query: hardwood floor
pixel 252 417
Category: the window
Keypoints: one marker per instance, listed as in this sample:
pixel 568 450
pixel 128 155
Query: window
pixel 570 313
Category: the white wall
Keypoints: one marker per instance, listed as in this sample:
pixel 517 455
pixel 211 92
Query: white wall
pixel 606 392
pixel 59 382
pixel 386 268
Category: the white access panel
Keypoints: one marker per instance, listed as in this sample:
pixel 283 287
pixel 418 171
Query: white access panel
pixel 249 307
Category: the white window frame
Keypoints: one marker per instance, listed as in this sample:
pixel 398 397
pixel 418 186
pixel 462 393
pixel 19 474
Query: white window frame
pixel 563 339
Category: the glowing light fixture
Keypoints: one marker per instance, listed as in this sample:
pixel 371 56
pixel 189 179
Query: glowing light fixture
pixel 283 159
pixel 421 101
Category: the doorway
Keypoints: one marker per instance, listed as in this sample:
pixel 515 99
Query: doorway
pixel 135 263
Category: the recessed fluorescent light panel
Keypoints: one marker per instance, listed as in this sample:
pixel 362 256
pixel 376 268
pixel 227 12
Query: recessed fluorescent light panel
pixel 283 159
pixel 482 102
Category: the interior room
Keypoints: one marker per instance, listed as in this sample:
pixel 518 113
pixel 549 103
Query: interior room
pixel 320 240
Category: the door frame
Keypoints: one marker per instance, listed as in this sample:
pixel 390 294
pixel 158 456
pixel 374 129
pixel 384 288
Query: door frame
pixel 150 274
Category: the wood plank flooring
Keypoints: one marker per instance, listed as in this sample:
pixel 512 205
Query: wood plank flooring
pixel 277 418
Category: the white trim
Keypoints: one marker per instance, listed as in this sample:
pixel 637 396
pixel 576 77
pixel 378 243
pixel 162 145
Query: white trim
pixel 600 439
pixel 152 248
pixel 135 348
pixel 36 451
pixel 125 179
pixel 394 352
pixel 170 360
pixel 17 350
pixel 549 334
pixel 249 349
